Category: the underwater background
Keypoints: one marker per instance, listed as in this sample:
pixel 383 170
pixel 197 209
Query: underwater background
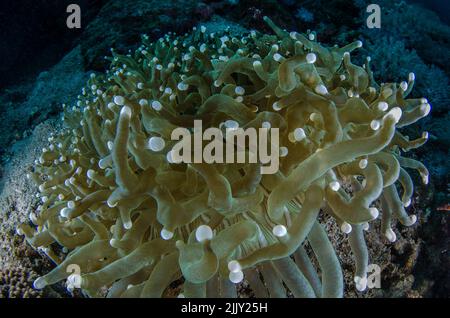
pixel 44 64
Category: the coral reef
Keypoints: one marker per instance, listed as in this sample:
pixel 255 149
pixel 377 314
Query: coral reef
pixel 20 264
pixel 421 29
pixel 119 206
pixel 17 283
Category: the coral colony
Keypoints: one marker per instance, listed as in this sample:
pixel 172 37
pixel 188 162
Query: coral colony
pixel 116 203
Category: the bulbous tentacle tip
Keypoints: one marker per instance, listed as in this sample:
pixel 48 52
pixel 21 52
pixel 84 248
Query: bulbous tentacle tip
pixel 390 235
pixel 166 234
pixel 234 266
pixel 360 283
pixel 40 283
pixel 125 112
pixel 412 219
pixel 311 58
pixel 425 109
pixel 204 233
pixel 366 226
pixel 236 277
pixel 395 113
pixel 127 225
pixel 407 203
pixel 346 228
pixel 374 213
pixel 279 230
pixel 334 185
pixel 363 163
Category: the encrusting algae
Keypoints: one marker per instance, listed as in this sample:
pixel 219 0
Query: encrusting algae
pixel 134 220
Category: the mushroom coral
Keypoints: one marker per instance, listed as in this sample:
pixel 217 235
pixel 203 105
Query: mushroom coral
pixel 134 220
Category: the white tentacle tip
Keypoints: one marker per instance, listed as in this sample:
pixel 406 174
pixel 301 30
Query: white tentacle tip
pixel 234 266
pixel 311 58
pixel 346 227
pixel 299 134
pixel 90 174
pixel 276 106
pixel 111 204
pixel 407 203
pixel 266 125
pixel 65 212
pixel 383 106
pixel 236 277
pixel 166 234
pixel 39 283
pixel 231 124
pixel 390 235
pixel 363 163
pixel 257 64
pixel 375 124
pixel 119 100
pixel 404 86
pixel 425 109
pixel 334 185
pixel 156 144
pixel 125 111
pixel 171 156
pixel 360 283
pixel 277 57
pixel 284 152
pixel 396 113
pixel 127 225
pixel 365 226
pixel 143 102
pixel 411 220
pixel 113 242
pixel 156 105
pixel 204 233
pixel 239 90
pixel 321 89
pixel 279 230
pixel 374 213
pixel 182 86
